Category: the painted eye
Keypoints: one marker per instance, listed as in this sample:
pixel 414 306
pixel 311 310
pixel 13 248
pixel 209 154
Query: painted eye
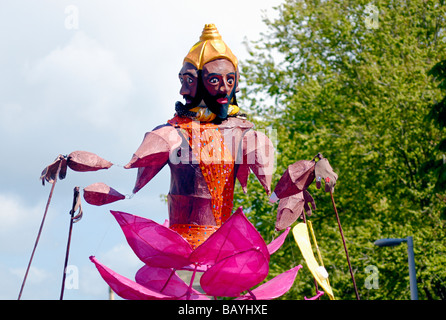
pixel 190 80
pixel 213 80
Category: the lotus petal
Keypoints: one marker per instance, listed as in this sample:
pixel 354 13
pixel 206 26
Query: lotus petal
pixel 154 244
pixel 126 288
pixel 166 281
pixel 236 235
pixel 235 274
pixel 275 287
pixel 277 243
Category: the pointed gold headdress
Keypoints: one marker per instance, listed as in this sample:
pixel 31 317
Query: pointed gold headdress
pixel 209 48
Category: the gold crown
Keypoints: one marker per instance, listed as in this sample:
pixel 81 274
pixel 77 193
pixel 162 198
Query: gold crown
pixel 209 48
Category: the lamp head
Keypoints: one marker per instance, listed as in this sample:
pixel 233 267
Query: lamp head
pixel 389 242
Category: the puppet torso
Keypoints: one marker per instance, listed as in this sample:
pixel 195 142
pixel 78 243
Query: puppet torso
pixel 203 172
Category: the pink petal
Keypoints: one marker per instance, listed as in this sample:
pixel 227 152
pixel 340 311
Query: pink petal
pixel 275 287
pixel 277 243
pixel 237 273
pixel 258 153
pixel 87 161
pixel 126 288
pixel 166 281
pixel 317 296
pixel 297 177
pixel 236 235
pixel 154 244
pixel 99 194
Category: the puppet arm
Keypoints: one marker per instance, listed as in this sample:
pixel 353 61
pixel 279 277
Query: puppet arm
pixel 292 191
pixel 299 176
pixel 153 154
pixel 82 161
pixel 258 156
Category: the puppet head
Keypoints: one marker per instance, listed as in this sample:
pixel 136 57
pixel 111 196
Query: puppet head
pixel 217 78
pixel 210 47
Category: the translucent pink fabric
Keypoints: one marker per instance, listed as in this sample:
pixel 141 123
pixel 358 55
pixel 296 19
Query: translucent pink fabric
pixel 233 259
pixel 235 274
pixel 274 288
pixel 154 244
pixel 127 288
pixel 166 281
pixel 236 235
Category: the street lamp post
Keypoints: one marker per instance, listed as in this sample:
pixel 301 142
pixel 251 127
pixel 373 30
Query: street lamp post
pixel 411 259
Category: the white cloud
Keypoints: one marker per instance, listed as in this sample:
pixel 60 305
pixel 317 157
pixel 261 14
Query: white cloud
pixel 35 275
pixel 81 81
pixel 121 259
pixel 19 222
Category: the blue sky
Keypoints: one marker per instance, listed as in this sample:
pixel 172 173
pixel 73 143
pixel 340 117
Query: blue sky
pixel 93 76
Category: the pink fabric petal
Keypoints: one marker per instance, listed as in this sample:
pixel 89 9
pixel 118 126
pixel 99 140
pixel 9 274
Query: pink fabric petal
pixel 166 281
pixel 290 208
pixel 258 153
pixel 317 296
pixel 87 161
pixel 297 177
pixel 154 244
pixel 99 194
pixel 275 287
pixel 235 274
pixel 126 288
pixel 236 235
pixel 277 243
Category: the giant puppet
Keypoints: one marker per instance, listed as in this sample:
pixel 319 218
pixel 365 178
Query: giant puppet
pixel 208 146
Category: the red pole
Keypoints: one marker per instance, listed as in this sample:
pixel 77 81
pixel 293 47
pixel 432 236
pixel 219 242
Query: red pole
pixel 345 246
pixel 40 230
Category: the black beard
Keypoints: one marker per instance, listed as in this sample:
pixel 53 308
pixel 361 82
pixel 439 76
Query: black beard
pixel 220 110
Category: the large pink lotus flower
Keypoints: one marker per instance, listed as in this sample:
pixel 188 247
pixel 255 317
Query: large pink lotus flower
pixel 233 260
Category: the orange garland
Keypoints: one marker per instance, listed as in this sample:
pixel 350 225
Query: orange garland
pixel 217 166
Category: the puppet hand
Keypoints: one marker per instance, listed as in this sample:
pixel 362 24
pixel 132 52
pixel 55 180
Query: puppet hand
pixel 308 200
pixel 57 168
pixel 323 171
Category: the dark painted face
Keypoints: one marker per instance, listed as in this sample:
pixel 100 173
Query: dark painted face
pixel 189 82
pixel 220 84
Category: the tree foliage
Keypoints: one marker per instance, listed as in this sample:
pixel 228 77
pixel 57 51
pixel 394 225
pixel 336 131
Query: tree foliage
pixel 363 98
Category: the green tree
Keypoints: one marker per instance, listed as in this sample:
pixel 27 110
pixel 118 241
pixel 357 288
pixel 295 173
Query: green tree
pixel 328 82
pixel 437 115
